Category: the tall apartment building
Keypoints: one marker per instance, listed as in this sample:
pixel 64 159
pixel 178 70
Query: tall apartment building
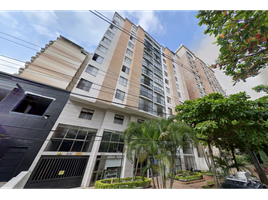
pixel 200 79
pixel 125 80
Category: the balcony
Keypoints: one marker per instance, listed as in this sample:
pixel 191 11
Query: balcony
pixel 147 83
pixel 147 57
pixel 159 81
pixel 148 94
pixel 159 90
pixel 159 73
pixel 156 64
pixel 159 100
pixel 148 65
pixel 147 73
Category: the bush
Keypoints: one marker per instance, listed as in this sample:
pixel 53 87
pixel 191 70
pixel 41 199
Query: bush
pixel 125 184
pixel 183 174
pixel 206 186
pixel 210 182
pixel 196 176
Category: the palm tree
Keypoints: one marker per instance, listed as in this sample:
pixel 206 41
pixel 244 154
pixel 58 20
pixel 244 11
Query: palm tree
pixel 177 134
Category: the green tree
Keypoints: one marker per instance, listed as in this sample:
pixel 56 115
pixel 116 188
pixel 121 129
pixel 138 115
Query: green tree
pixel 216 118
pixel 242 36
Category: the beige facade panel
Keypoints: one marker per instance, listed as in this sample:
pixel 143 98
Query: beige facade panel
pixel 115 65
pixel 135 71
pixel 172 83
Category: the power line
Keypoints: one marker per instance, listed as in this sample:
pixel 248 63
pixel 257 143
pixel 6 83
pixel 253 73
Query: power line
pixel 141 41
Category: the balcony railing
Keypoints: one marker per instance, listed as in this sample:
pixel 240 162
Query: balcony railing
pixel 148 94
pixel 147 83
pixel 156 64
pixel 158 89
pixel 159 100
pixel 147 73
pixel 157 80
pixel 158 73
pixel 149 58
pixel 148 65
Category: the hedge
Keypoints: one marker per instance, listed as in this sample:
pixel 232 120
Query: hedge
pixel 125 184
pixel 194 176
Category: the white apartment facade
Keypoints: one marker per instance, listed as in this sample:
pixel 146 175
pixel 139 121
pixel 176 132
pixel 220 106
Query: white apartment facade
pixel 125 80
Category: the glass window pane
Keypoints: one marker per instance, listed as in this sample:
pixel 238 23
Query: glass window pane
pixel 121 139
pixel 71 133
pixel 60 131
pixel 115 137
pixel 66 145
pixel 53 145
pixel 77 146
pixel 81 134
pixel 106 136
pixel 113 147
pixel 104 147
pixel 87 146
pixel 120 147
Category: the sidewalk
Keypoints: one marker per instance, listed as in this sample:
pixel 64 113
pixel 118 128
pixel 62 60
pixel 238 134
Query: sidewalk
pixel 198 184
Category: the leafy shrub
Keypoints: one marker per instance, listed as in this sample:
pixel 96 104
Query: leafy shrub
pixel 210 182
pixel 206 186
pixel 125 184
pixel 183 174
pixel 196 176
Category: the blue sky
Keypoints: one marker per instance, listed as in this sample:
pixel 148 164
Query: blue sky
pixel 169 28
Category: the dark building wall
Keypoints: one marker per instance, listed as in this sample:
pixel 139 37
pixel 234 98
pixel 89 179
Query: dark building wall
pixel 22 134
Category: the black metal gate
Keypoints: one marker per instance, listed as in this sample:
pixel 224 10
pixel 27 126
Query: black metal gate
pixel 58 172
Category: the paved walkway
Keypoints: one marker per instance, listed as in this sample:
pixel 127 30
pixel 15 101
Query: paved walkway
pixel 198 184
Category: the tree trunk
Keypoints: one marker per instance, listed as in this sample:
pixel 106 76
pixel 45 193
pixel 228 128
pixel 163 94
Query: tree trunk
pixel 136 169
pixel 156 176
pixel 258 167
pixel 133 173
pixel 172 170
pixel 232 150
pixel 164 177
pixel 152 173
pixel 206 159
pixel 213 166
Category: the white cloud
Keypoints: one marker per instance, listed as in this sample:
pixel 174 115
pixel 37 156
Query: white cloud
pixel 46 18
pixel 7 20
pixel 45 31
pixel 209 52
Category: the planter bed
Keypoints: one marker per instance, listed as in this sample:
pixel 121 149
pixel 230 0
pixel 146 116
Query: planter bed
pixel 125 183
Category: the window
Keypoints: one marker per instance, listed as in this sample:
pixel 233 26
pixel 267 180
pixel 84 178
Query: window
pixel 168 90
pixel 164 60
pixel 72 138
pixel 132 38
pixel 196 80
pixel 165 67
pixel 166 74
pixel 129 52
pixel 97 58
pixel 106 40
pixel 84 85
pixel 177 86
pixel 92 70
pixel 111 142
pixel 166 81
pixel 176 79
pixel 33 104
pixel 145 105
pixel 201 94
pixel 123 81
pixel 194 74
pixel 102 49
pixel 168 100
pixel 120 95
pixel 147 81
pixel 113 27
pixel 110 34
pixel 205 91
pixel 131 45
pixel 117 18
pixel 170 111
pixel 125 69
pixel 127 60
pixel 198 86
pixel 146 92
pixel 179 94
pixel 118 119
pixel 86 114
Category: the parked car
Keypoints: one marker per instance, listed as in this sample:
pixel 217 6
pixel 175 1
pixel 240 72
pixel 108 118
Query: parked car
pixel 242 180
